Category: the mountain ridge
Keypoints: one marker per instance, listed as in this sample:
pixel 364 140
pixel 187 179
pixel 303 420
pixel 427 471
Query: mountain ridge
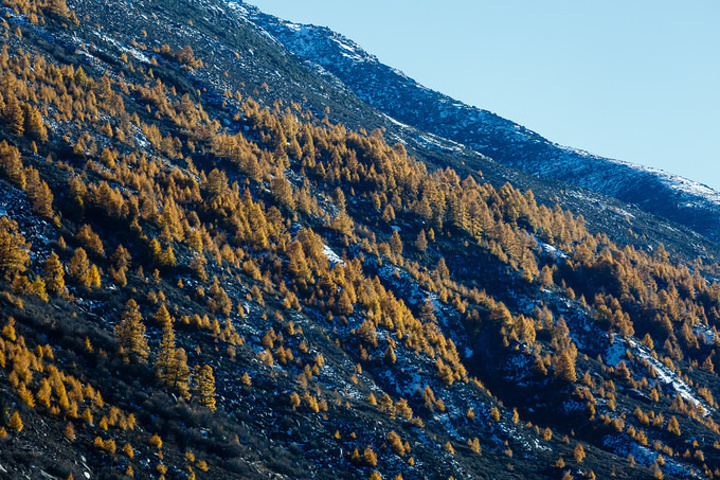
pixel 656 191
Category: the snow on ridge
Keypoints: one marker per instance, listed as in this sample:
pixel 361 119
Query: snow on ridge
pixel 332 51
pixel 674 182
pixel 238 7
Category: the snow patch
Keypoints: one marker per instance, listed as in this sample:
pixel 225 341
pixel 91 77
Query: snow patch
pixel 332 257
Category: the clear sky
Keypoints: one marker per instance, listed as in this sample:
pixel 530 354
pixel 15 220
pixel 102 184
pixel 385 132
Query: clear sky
pixel 636 80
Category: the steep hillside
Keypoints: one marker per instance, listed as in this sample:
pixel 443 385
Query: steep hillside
pixel 670 196
pixel 205 272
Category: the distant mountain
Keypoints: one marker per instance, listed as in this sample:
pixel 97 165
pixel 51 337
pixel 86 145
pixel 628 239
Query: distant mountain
pixel 684 201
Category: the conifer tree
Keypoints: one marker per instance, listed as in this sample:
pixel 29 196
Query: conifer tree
pixel 396 245
pixel 58 8
pixel 54 274
pixel 14 255
pixel 178 373
pixel 163 317
pixel 34 125
pixel 93 278
pixel 171 363
pixel 204 386
pixel 155 251
pixel 42 199
pixel 167 259
pixel 80 267
pixel 16 422
pixel 427 312
pixel 11 164
pixel 130 332
pixel 91 240
pixel 421 242
pixel 565 368
pixel 13 115
pixel 389 356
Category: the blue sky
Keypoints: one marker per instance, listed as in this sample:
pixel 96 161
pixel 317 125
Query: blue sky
pixel 634 80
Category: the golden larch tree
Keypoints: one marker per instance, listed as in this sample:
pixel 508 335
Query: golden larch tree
pixel 204 386
pixel 130 332
pixel 54 274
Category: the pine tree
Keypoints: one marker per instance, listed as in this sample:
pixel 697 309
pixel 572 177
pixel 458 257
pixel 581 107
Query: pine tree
pixel 204 386
pixel 130 332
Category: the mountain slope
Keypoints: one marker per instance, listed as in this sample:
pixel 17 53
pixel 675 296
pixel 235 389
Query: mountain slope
pixel 673 197
pixel 205 275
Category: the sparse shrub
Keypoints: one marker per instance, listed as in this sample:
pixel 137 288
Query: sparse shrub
pixel 579 453
pixel 369 457
pixel 69 432
pixel 16 422
pixel 156 441
pixel 449 448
